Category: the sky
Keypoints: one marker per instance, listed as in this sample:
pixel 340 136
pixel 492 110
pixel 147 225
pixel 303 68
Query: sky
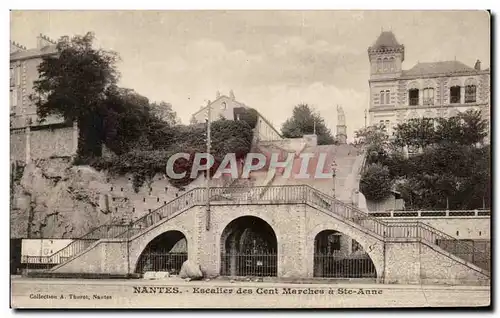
pixel 272 60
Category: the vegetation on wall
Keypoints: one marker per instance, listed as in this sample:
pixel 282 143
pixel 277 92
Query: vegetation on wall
pixel 450 166
pixel 80 84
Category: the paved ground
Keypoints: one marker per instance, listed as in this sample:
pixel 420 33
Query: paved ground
pixel 175 293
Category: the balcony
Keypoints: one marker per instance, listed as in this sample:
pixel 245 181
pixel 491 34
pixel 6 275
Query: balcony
pixel 429 101
pixel 454 99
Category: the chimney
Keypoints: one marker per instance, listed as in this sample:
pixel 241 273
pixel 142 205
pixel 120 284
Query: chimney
pixel 43 41
pixel 14 47
pixel 217 95
pixel 477 67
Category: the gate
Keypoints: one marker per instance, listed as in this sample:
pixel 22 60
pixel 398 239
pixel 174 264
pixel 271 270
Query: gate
pixel 161 262
pixel 241 264
pixel 339 265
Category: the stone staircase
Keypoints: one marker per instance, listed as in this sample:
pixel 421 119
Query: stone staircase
pixel 303 194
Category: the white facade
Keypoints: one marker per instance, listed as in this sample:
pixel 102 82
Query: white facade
pixel 223 107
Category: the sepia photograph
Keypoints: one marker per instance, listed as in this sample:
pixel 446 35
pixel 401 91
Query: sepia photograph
pixel 250 159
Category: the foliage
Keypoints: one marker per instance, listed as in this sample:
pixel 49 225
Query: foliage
pixel 164 112
pixel 249 115
pixel 303 122
pixel 466 128
pixel 376 182
pixel 451 171
pixel 79 83
pixel 375 135
pixel 73 84
pixel 227 137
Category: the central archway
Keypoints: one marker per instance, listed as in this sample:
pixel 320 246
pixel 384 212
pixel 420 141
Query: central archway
pixel 165 253
pixel 249 248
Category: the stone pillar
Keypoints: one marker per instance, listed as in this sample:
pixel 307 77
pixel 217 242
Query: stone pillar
pixel 292 254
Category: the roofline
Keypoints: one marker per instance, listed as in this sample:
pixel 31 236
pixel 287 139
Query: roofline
pixel 242 105
pixel 204 107
pixel 268 122
pixel 403 77
pixel 29 57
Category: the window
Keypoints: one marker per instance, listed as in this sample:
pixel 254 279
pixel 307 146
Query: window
pixel 386 64
pixel 428 96
pixel 470 93
pixel 13 97
pixel 18 76
pixel 13 100
pixel 454 94
pixel 223 106
pixel 413 96
pixel 387 97
pixel 392 65
pixel 382 98
pixel 379 65
pixel 12 76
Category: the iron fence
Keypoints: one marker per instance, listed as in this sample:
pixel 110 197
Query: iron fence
pixel 161 262
pixel 339 265
pixel 241 264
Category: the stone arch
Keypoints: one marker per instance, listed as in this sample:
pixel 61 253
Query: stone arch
pixel 413 85
pixel 385 64
pixel 470 81
pixel 138 245
pixel 248 246
pixel 429 83
pixel 340 256
pixel 166 252
pixel 455 82
pixel 372 246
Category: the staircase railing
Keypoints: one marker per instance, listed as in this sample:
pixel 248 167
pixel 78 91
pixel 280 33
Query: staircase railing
pixel 410 229
pixel 462 248
pixel 287 194
pixel 77 245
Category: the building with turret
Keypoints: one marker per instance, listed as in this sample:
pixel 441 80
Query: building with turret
pixel 430 89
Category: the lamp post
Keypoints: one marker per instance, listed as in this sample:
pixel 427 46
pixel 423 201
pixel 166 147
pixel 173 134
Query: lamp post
pixel 207 179
pixel 334 172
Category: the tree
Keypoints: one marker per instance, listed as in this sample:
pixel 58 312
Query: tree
pixel 73 83
pixel 376 182
pixel 416 132
pixel 164 112
pixel 375 136
pixel 303 122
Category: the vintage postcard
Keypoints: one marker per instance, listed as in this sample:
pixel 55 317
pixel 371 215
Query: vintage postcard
pixel 250 159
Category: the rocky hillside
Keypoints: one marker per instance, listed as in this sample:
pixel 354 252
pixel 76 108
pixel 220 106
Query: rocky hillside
pixel 50 198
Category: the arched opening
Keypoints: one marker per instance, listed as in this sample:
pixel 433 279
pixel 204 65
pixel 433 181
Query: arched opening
pixel 336 255
pixel 249 248
pixel 165 253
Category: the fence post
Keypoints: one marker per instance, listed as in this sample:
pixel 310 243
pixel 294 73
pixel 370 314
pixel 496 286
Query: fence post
pixel 129 230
